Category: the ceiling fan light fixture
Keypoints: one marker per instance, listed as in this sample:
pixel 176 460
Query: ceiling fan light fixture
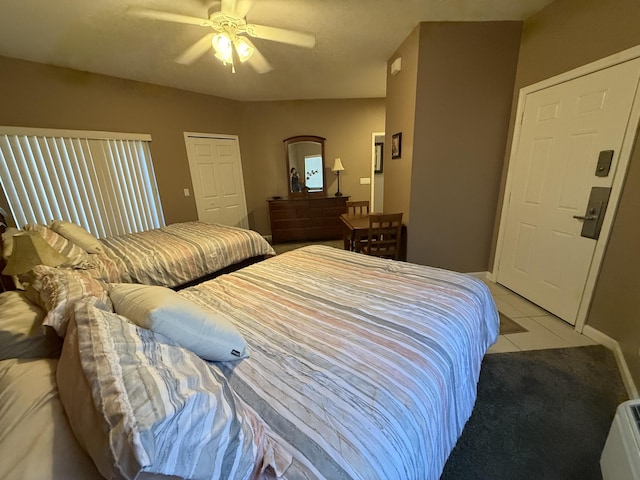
pixel 222 45
pixel 243 48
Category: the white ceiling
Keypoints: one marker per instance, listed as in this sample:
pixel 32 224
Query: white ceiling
pixel 354 40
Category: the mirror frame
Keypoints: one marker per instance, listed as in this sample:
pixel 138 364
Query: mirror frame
pixel 305 138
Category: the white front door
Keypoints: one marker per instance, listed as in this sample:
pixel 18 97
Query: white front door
pixel 564 128
pixel 216 173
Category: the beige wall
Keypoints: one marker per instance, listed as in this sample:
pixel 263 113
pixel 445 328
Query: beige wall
pixel 49 97
pixel 400 118
pixel 465 79
pixel 345 124
pixel 565 35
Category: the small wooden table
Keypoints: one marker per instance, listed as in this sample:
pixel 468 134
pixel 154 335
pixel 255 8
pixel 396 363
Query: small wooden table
pixel 356 228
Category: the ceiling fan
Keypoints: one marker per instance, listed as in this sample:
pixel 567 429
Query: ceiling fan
pixel 229 38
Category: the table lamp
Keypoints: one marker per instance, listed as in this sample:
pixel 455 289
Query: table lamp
pixel 338 167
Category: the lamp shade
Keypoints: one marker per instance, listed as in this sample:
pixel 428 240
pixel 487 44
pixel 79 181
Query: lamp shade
pixel 337 165
pixel 244 48
pixel 222 45
pixel 30 251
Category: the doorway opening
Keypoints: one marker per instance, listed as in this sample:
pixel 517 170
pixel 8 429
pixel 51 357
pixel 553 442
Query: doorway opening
pixel 377 172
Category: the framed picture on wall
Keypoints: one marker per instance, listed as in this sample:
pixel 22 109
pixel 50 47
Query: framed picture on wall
pixel 396 145
pixel 379 149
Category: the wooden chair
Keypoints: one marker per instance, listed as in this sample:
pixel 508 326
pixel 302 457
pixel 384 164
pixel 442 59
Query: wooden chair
pixel 384 235
pixel 358 208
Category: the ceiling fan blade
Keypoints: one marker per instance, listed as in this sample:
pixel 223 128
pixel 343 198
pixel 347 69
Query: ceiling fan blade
pixel 235 8
pixel 301 39
pixel 243 7
pixel 257 60
pixel 228 6
pixel 195 51
pixel 168 17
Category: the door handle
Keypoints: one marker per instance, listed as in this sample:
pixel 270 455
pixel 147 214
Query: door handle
pixel 591 215
pixel 585 218
pixel 594 216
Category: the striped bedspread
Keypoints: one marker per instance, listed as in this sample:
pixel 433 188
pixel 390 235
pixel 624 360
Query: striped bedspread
pixel 179 253
pixel 365 368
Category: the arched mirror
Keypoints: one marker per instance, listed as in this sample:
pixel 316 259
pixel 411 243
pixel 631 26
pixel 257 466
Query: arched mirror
pixel 305 165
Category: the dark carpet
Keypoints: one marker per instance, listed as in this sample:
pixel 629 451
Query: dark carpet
pixel 508 326
pixel 541 414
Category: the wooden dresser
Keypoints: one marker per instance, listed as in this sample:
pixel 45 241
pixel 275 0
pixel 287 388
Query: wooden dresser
pixel 302 219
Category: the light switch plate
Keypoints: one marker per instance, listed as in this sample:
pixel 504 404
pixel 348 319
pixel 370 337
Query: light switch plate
pixel 186 192
pixel 365 181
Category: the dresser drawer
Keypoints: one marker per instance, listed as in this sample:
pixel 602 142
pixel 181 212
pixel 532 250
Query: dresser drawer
pixel 309 218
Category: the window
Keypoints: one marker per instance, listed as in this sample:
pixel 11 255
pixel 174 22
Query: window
pixel 102 181
pixel 313 172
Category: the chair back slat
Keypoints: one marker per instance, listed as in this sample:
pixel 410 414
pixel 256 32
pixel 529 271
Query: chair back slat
pixel 358 207
pixel 384 235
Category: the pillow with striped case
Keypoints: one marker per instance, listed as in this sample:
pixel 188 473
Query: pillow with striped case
pixel 156 408
pixel 77 235
pixel 56 290
pixel 78 258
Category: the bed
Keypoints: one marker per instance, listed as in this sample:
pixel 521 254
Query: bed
pixel 346 366
pixel 176 255
pixel 185 253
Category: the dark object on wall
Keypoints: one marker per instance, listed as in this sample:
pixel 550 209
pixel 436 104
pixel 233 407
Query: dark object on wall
pixel 396 145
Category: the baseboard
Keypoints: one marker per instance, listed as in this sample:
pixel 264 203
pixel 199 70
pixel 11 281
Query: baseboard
pixel 614 346
pixel 482 275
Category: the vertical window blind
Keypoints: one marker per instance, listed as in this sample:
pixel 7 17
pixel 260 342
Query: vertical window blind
pixel 102 181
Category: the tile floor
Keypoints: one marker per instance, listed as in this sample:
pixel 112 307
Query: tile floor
pixel 544 329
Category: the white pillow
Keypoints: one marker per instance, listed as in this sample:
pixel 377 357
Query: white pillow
pixel 78 235
pixel 208 334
